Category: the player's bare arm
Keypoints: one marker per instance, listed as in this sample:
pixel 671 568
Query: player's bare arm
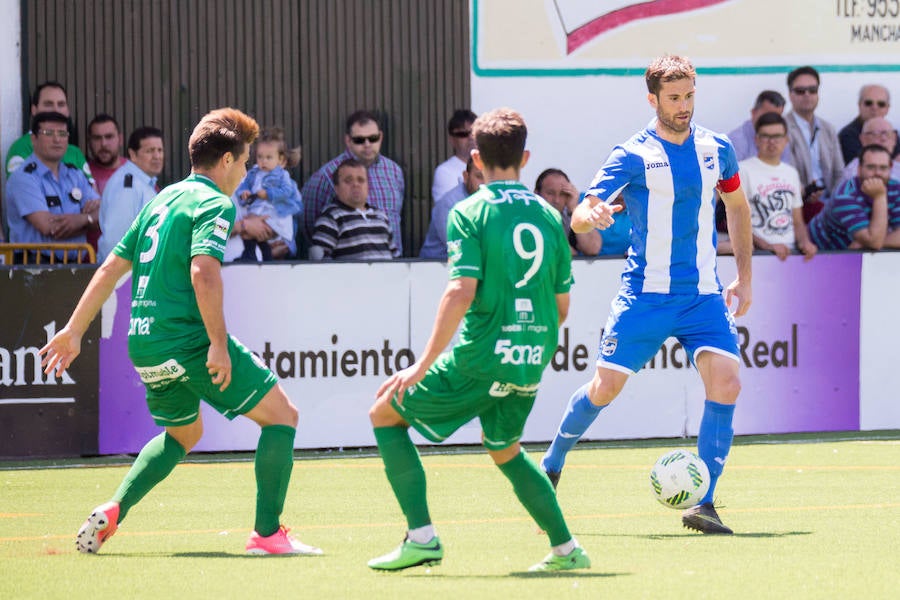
pixel 741 235
pixel 873 236
pixel 562 306
pixel 206 278
pixel 454 303
pixel 593 213
pixel 66 344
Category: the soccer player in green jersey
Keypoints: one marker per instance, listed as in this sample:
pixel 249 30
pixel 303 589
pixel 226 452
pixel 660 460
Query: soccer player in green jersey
pixel 510 273
pixel 178 341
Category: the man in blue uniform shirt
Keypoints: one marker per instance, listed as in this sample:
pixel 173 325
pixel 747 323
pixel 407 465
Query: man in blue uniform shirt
pixel 668 174
pixel 49 201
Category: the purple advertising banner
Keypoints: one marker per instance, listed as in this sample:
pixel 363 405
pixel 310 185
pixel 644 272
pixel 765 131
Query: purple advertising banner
pixel 800 345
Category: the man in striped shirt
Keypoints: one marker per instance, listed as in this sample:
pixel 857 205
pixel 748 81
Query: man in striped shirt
pixel 865 211
pixel 350 228
pixel 363 139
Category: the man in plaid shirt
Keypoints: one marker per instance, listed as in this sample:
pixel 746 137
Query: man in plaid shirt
pixel 363 139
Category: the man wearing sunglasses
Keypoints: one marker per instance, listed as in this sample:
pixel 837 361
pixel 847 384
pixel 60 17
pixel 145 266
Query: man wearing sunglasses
pixel 49 200
pixel 448 174
pixel 815 149
pixel 363 137
pixel 874 101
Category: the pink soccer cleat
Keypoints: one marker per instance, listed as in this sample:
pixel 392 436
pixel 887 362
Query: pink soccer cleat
pixel 279 543
pixel 97 528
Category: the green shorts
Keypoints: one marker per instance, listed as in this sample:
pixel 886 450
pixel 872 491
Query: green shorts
pixel 446 399
pixel 176 386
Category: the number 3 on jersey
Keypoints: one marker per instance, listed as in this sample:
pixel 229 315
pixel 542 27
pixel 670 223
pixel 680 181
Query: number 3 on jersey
pixel 152 232
pixel 529 246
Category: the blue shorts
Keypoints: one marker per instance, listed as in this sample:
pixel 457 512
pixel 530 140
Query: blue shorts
pixel 639 324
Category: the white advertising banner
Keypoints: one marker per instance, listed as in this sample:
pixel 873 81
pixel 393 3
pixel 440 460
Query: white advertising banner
pixel 879 330
pixel 575 68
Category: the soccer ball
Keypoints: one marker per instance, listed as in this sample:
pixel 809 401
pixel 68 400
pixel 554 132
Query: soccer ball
pixel 679 479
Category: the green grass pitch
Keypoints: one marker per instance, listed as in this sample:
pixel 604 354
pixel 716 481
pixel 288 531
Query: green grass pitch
pixel 815 516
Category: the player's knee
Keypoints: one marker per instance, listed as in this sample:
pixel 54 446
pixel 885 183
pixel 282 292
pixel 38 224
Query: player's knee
pixel 382 414
pixel 726 389
pixel 603 391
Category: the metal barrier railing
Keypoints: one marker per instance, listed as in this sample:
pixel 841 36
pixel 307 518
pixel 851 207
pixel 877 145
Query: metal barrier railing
pixel 46 254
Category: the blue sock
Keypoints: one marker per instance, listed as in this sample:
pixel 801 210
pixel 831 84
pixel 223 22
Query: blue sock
pixel 714 441
pixel 579 416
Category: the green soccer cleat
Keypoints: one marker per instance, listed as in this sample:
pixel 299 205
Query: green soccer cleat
pixel 705 519
pixel 576 559
pixel 410 554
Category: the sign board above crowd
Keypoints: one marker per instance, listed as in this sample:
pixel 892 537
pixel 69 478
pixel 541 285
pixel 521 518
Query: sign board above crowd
pixel 575 68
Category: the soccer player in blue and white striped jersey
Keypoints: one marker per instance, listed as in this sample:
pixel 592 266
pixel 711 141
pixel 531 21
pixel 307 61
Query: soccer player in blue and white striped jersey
pixel 668 175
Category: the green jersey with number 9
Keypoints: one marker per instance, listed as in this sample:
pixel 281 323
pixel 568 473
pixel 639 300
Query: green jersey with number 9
pixel 186 219
pixel 513 242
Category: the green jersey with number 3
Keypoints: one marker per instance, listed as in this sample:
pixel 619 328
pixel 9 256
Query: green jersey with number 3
pixel 188 218
pixel 513 242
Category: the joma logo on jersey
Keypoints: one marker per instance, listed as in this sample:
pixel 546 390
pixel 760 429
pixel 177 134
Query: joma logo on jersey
pixel 660 164
pixel 518 354
pixel 140 326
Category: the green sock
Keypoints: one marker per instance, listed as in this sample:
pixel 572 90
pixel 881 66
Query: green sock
pixel 274 462
pixel 405 473
pixel 156 460
pixel 536 494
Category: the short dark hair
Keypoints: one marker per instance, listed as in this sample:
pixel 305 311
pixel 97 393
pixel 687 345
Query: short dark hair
pixel 47 117
pixel 361 117
pixel 873 148
pixel 772 97
pixel 140 134
pixel 806 70
pixel 36 96
pixel 221 131
pixel 769 118
pixel 539 182
pixel 460 118
pixel 500 138
pixel 666 68
pixel 103 118
pixel 347 163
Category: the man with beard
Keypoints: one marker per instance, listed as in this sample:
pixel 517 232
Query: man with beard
pixel 865 211
pixel 668 175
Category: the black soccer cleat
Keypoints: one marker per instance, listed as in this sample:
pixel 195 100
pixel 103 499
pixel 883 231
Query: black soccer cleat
pixel 705 519
pixel 554 476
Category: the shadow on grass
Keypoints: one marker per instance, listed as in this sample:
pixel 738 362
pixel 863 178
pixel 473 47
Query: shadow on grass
pixel 682 536
pixel 522 575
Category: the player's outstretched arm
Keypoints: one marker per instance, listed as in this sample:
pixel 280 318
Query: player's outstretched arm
pixel 454 303
pixel 65 346
pixel 593 213
pixel 740 233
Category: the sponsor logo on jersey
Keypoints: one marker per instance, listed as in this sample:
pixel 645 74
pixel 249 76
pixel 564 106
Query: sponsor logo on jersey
pixel 519 354
pixel 143 280
pixel 220 229
pixel 658 164
pixel 140 326
pixel 501 390
pixel 524 310
pixel 168 371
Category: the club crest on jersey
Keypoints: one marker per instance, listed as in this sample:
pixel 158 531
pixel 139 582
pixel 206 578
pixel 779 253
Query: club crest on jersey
pixel 608 346
pixel 220 229
pixel 709 161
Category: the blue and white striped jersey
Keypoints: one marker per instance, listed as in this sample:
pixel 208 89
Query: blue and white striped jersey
pixel 669 193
